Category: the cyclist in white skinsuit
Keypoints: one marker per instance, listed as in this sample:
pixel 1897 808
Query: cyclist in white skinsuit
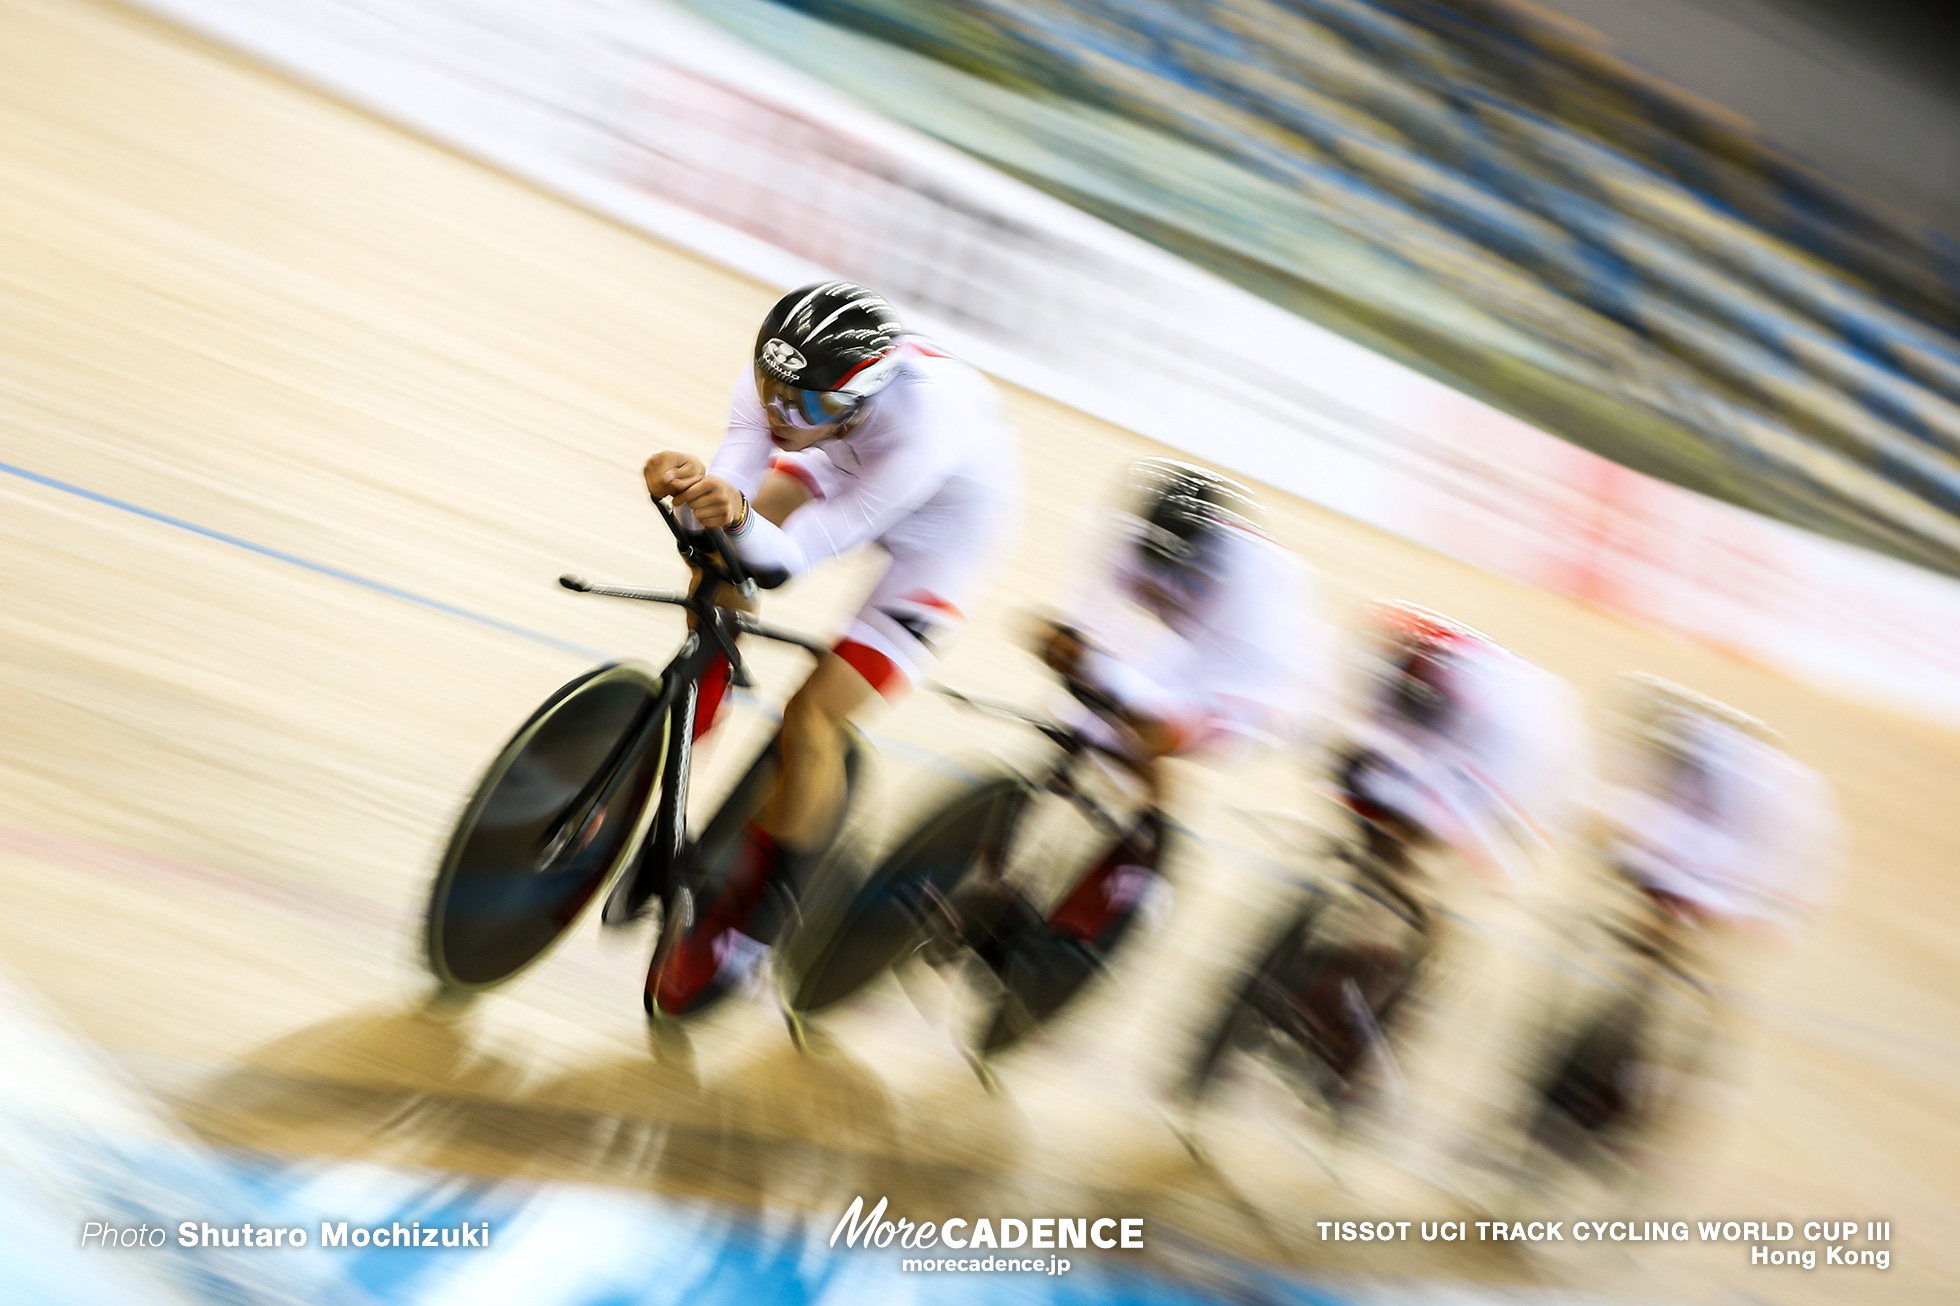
pixel 1204 630
pixel 846 432
pixel 1205 635
pixel 1464 743
pixel 929 473
pixel 1711 818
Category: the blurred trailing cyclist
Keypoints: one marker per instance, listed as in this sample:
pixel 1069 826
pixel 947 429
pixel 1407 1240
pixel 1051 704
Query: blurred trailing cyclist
pixel 844 431
pixel 1204 633
pixel 1231 653
pixel 1718 833
pixel 1458 744
pixel 1710 818
pixel 1462 743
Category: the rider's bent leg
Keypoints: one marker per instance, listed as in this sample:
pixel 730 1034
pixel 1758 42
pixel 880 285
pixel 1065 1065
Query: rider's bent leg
pixel 807 805
pixel 799 817
pixel 800 814
pixel 1101 906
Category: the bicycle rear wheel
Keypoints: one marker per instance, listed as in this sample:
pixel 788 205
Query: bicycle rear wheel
pixel 557 813
pixel 843 949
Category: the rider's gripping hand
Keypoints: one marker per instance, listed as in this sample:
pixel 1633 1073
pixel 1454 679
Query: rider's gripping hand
pixel 673 473
pixel 715 502
pixel 1061 647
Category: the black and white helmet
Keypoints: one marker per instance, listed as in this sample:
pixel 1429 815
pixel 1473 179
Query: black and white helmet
pixel 1181 505
pixel 823 350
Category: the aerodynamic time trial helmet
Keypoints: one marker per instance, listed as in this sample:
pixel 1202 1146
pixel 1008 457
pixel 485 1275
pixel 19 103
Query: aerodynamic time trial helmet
pixel 824 349
pixel 1182 505
pixel 1424 652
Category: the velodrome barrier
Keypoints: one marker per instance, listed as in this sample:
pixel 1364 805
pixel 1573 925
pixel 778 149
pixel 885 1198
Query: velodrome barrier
pixel 641 111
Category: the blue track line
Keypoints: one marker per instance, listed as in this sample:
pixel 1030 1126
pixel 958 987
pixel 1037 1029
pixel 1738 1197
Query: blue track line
pixel 324 569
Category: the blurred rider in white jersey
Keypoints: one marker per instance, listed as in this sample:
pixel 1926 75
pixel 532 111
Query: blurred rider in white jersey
pixel 1230 653
pixel 1461 743
pixel 844 431
pixel 1710 818
pixel 1203 635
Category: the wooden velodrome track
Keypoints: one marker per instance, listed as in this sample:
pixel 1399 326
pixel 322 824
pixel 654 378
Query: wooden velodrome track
pixel 225 770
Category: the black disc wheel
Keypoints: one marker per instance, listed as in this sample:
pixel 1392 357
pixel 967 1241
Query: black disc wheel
pixel 1626 1073
pixel 557 813
pixel 1042 974
pixel 846 946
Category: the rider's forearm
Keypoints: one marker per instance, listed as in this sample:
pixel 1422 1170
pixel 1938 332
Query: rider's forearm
pixel 764 545
pixel 1136 692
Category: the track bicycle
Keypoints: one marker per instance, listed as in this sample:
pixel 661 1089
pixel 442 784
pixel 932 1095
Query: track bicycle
pixel 1630 1034
pixel 595 783
pixel 964 884
pixel 1331 983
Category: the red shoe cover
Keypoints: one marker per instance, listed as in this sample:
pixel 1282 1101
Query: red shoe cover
pixel 1109 891
pixel 695 960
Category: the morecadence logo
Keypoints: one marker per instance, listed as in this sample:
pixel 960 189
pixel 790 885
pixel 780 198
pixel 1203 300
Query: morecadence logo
pixel 990 1233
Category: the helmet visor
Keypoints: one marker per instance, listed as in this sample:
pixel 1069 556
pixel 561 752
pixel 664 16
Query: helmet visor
pixel 1175 529
pixel 1421 689
pixel 804 410
pixel 1165 548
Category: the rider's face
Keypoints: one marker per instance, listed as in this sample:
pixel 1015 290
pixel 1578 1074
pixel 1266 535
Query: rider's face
pixel 1164 586
pixel 1689 782
pixel 792 439
pixel 1158 591
pixel 801 418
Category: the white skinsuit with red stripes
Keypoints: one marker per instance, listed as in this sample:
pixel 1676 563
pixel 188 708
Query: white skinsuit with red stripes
pixel 930 474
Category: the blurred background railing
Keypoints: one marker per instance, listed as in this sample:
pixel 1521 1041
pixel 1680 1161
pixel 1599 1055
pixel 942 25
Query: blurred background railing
pixel 1481 191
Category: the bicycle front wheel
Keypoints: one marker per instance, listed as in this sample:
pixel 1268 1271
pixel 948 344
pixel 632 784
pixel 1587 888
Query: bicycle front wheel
pixel 892 911
pixel 556 815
